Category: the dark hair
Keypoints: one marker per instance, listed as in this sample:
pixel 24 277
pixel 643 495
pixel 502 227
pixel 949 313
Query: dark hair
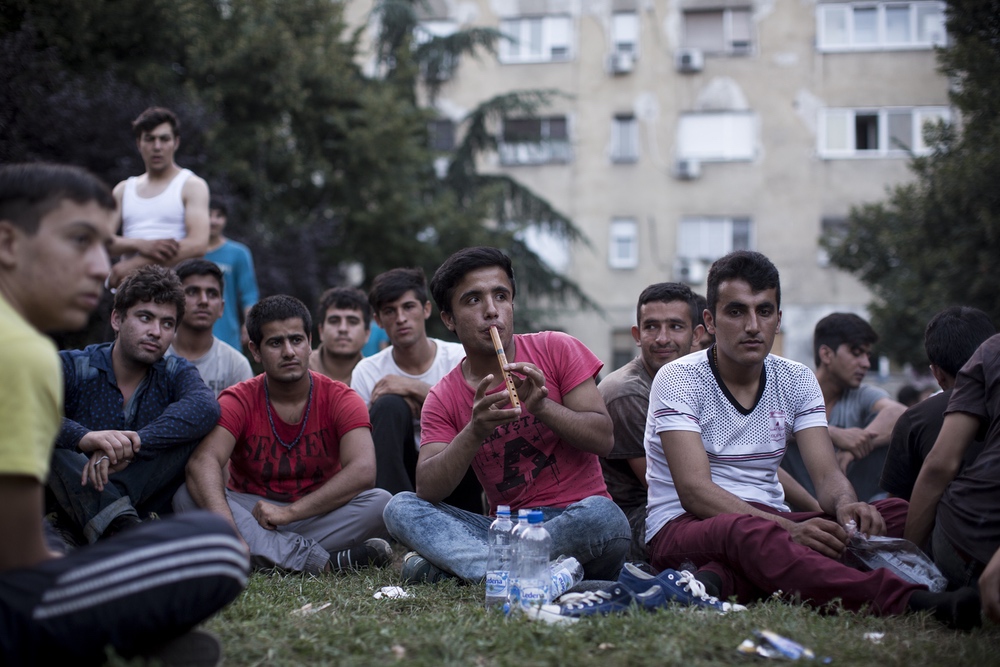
pixel 954 334
pixel 196 266
pixel 837 329
pixel 218 204
pixel 153 117
pixel 29 192
pixel 394 283
pixel 700 304
pixel 666 292
pixel 275 309
pixel 150 283
pixel 346 298
pixel 756 269
pixel 451 272
pixel 908 395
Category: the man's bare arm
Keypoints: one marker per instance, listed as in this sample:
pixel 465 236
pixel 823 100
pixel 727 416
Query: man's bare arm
pixel 398 385
pixel 939 469
pixel 881 426
pixel 21 509
pixel 581 419
pixel 833 491
pixel 796 495
pixel 699 495
pixel 638 466
pixel 442 465
pixel 195 196
pixel 206 472
pixel 357 474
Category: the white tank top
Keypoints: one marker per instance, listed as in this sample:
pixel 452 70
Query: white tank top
pixel 159 217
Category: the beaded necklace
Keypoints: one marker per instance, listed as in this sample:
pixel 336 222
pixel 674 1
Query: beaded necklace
pixel 305 417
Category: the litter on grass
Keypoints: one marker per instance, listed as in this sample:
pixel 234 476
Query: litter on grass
pixel 874 637
pixel 308 608
pixel 391 592
pixel 772 645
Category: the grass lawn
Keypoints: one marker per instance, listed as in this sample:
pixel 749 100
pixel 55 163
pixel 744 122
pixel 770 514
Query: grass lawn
pixel 446 624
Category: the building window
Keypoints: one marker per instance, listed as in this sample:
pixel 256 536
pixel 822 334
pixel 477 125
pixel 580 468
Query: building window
pixel 892 132
pixel 721 31
pixel 623 244
pixel 880 25
pixel 534 141
pixel 623 349
pixel 625 33
pixel 709 238
pixel 624 139
pixel 535 40
pixel 717 136
pixel 442 135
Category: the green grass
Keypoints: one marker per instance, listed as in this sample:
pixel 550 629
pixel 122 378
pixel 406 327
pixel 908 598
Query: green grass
pixel 446 624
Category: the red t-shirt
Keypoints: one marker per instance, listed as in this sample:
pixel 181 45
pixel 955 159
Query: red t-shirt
pixel 524 463
pixel 263 466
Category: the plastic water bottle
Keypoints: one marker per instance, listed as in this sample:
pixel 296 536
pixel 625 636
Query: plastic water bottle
pixel 566 573
pixel 498 560
pixel 514 595
pixel 534 576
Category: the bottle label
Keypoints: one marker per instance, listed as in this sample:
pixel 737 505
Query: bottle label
pixel 534 596
pixel 496 583
pixel 561 581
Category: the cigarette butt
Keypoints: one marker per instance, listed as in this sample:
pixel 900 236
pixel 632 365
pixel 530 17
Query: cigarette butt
pixel 508 378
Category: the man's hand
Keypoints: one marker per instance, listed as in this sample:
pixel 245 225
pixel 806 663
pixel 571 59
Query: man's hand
pixel 820 535
pixel 270 516
pixel 398 385
pixel 857 441
pixel 867 518
pixel 844 459
pixel 989 588
pixel 98 468
pixel 486 411
pixel 531 388
pixel 161 251
pixel 116 445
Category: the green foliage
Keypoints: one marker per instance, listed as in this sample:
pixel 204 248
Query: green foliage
pixel 934 242
pixel 324 167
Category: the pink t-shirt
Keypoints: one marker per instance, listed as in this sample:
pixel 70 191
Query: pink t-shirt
pixel 524 463
pixel 261 465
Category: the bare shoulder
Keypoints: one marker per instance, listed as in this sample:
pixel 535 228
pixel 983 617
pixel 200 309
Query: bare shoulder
pixel 194 185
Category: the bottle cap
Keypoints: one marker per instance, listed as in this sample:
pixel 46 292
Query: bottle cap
pixel 522 514
pixel 535 516
pixel 503 510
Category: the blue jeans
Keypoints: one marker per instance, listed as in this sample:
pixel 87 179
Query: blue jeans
pixel 145 485
pixel 593 530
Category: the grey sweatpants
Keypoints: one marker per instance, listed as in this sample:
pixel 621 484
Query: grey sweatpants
pixel 306 545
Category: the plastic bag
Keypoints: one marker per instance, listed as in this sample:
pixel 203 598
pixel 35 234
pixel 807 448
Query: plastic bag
pixel 900 556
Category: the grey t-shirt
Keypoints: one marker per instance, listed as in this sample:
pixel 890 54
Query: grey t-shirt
pixel 626 393
pixel 222 367
pixel 856 408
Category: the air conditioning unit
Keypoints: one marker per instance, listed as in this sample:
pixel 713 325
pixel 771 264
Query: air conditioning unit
pixel 621 63
pixel 687 169
pixel 689 60
pixel 689 271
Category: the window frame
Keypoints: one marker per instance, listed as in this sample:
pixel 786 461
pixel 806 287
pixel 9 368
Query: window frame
pixel 622 232
pixel 919 115
pixel 624 151
pixel 729 129
pixel 729 48
pixel 618 26
pixel 826 11
pixel 549 25
pixel 729 224
pixel 548 149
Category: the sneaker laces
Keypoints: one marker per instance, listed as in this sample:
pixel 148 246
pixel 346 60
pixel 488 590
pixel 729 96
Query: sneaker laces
pixel 697 589
pixel 585 599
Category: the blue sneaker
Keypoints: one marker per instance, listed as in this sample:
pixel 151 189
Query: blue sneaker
pixel 676 586
pixel 616 600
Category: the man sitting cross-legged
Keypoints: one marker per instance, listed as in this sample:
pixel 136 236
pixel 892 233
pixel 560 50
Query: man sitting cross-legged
pixel 133 416
pixel 716 432
pixel 299 453
pixel 141 592
pixel 543 454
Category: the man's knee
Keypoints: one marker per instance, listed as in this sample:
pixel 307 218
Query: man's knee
pixel 398 510
pixel 390 407
pixel 604 516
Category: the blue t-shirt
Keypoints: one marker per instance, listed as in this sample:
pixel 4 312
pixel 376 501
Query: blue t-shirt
pixel 375 339
pixel 239 291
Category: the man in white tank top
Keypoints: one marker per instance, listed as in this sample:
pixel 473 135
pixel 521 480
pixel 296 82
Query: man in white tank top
pixel 164 212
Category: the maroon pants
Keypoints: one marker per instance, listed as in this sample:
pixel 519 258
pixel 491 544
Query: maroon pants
pixel 756 557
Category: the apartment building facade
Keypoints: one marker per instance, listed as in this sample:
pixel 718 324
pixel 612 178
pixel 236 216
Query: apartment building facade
pixel 689 128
